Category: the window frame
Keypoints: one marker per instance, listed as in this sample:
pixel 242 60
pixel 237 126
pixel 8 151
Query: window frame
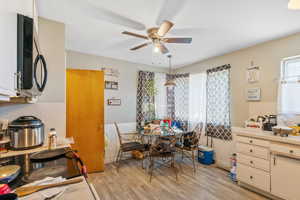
pixel 283 64
pixel 283 79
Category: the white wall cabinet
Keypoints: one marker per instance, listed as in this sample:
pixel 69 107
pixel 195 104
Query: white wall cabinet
pixel 8 41
pixel 8 52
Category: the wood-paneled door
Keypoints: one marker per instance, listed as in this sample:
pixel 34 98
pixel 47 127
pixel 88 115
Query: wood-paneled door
pixel 85 116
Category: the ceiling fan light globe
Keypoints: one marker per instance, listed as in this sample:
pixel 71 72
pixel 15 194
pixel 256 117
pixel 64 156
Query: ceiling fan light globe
pixel 294 5
pixel 156 49
pixel 170 84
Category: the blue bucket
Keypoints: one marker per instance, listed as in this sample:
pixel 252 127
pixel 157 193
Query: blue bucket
pixel 206 155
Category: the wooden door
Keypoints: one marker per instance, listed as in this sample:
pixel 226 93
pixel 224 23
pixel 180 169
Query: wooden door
pixel 85 116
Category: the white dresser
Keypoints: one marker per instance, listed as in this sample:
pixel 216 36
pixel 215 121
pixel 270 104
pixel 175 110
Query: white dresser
pixel 268 164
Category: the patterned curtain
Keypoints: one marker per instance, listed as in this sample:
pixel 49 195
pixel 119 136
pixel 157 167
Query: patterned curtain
pixel 145 98
pixel 218 103
pixel 178 99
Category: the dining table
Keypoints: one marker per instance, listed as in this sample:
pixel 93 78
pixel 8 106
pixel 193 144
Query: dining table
pixel 160 131
pixel 150 136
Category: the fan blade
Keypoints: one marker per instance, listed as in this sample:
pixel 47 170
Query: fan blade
pixel 100 13
pixel 140 46
pixel 169 10
pixel 187 31
pixel 178 40
pixel 164 28
pixel 163 49
pixel 135 35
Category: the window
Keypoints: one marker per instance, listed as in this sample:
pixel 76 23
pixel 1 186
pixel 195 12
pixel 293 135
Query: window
pixel 160 96
pixel 197 99
pixel 218 122
pixel 289 86
pixel 181 97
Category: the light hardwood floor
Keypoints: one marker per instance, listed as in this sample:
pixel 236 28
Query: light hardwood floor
pixel 132 182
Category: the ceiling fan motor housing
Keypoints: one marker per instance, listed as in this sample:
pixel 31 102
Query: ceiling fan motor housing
pixel 152 33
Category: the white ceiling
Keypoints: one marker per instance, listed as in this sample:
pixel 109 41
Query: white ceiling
pixel 217 26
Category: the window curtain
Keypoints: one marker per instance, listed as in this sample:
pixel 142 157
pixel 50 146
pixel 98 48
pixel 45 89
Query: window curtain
pixel 197 100
pixel 145 98
pixel 218 123
pixel 178 99
pixel 160 96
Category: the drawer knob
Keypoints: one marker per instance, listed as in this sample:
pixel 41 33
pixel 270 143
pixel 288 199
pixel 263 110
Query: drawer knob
pixel 251 177
pixel 251 150
pixel 251 141
pixel 251 162
pixel 291 151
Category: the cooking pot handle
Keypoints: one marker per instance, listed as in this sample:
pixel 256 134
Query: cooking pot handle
pixel 28 117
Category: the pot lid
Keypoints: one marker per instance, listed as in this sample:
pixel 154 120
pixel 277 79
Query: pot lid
pixel 26 121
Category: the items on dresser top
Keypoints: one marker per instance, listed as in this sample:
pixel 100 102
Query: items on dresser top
pixel 265 122
pixel 26 132
pixel 282 131
pixel 269 122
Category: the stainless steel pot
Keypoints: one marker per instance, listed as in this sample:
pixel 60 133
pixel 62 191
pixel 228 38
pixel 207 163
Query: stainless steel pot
pixel 26 132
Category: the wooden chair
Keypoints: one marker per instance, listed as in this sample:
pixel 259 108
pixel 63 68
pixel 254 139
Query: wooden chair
pixel 189 143
pixel 126 146
pixel 164 149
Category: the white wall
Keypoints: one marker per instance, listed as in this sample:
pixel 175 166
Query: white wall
pixel 51 107
pixel 268 57
pixel 126 113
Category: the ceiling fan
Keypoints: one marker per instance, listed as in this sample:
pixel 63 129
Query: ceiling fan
pixel 156 36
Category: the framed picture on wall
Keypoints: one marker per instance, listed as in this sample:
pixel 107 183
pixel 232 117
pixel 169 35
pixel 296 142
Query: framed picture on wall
pixel 111 85
pixel 114 102
pixel 253 74
pixel 253 94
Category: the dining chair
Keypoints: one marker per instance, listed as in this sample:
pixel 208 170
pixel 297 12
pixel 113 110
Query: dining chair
pixel 162 152
pixel 127 147
pixel 189 143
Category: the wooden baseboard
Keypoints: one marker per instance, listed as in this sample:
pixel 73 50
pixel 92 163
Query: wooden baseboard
pixel 256 190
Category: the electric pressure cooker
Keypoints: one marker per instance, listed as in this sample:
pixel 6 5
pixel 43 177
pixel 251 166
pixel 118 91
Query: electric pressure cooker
pixel 26 132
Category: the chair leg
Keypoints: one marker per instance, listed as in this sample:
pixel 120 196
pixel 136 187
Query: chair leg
pixel 119 160
pixel 174 168
pixel 143 162
pixel 180 167
pixel 193 157
pixel 151 168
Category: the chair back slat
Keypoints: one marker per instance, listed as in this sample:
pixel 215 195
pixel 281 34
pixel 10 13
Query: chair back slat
pixel 198 130
pixel 164 144
pixel 192 139
pixel 119 133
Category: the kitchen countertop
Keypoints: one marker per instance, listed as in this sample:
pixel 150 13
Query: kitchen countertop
pixel 267 135
pixel 80 190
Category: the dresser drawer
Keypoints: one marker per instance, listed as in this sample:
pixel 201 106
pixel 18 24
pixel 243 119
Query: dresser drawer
pixel 286 149
pixel 252 150
pixel 249 140
pixel 251 161
pixel 254 177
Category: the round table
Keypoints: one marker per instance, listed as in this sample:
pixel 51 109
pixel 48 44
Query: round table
pixel 163 132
